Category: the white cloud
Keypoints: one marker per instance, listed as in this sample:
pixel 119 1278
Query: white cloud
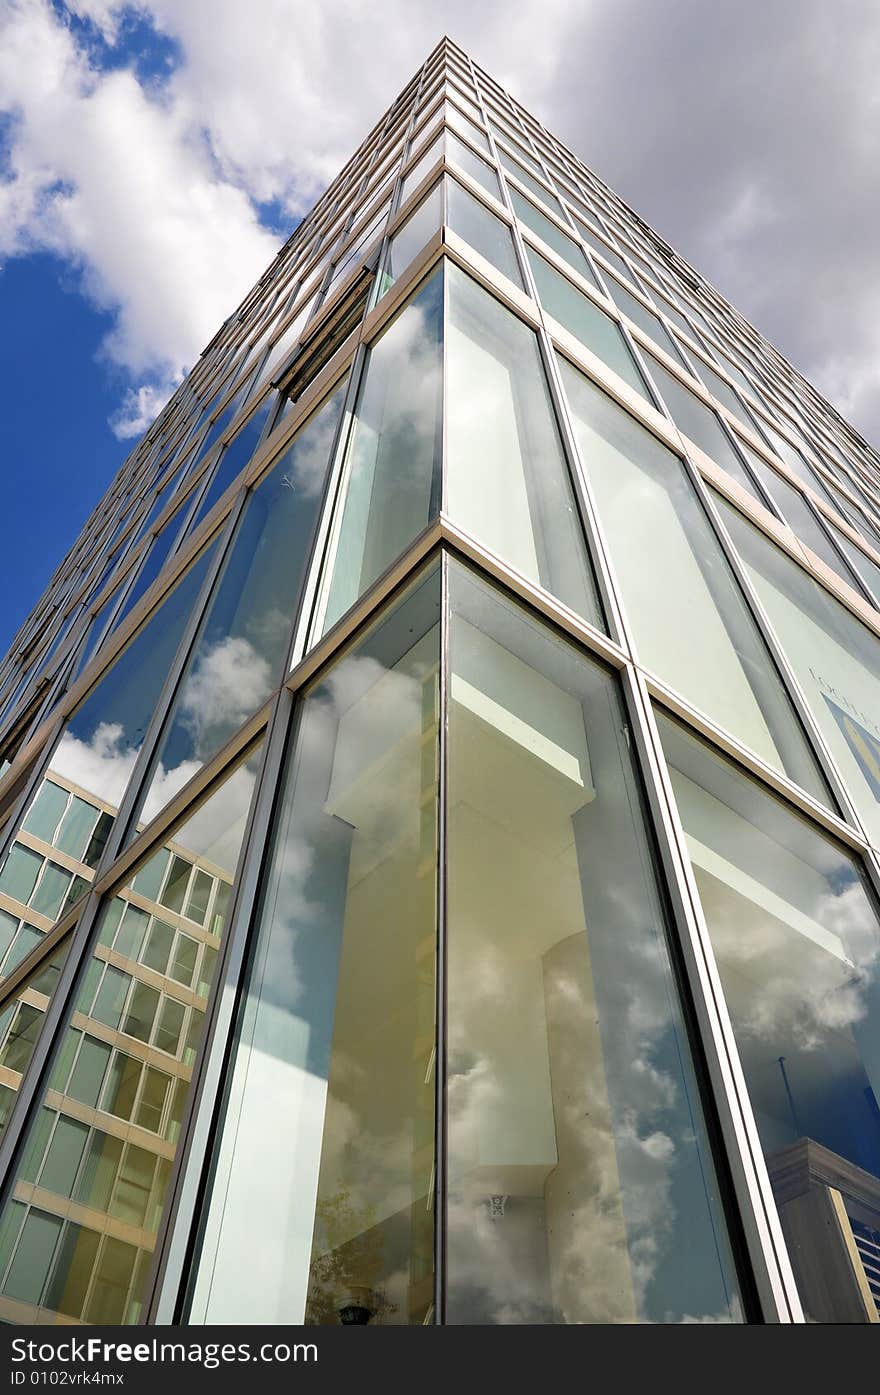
pixel 120 181
pixel 101 765
pixel 139 407
pixel 150 186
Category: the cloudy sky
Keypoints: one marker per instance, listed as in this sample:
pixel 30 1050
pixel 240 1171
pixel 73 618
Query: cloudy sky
pixel 153 156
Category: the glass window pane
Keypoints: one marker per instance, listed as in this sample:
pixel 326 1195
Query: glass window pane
pixel 392 473
pixel 33 1257
pixel 148 880
pixel 21 1022
pixel 423 165
pixel 27 939
pixel 597 244
pixel 183 964
pixel 110 999
pixel 19 873
pixel 130 935
pixel 508 481
pixel 412 236
pixel 284 344
pixel 332 1102
pixel 45 813
pixel 76 826
pixel 95 633
pixel 551 234
pixel 724 392
pixel 73 1268
pixel 485 233
pixel 797 513
pixel 151 1105
pixel 466 128
pixel 51 890
pixel 89 1071
pixel 158 946
pixel 64 1156
pixel 867 570
pixel 797 943
pixel 577 313
pixel 234 458
pixel 239 654
pixel 8 926
pixel 152 565
pixel 175 887
pixel 539 190
pixel 581 1184
pixel 125 1182
pixel 461 155
pixel 101 740
pixel 646 320
pixel 169 1025
pixel 122 1085
pixel 836 660
pixel 691 621
pixel 698 422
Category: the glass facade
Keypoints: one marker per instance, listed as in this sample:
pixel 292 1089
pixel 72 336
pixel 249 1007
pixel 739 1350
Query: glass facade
pixel 441 853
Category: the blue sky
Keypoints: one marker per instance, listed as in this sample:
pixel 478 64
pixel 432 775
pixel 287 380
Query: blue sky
pixel 153 156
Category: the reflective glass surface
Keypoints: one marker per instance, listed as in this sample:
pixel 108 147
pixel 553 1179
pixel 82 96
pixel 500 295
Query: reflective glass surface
pixel 507 478
pixel 391 480
pixel 485 233
pixel 640 315
pixel 240 651
pixel 698 422
pixel 577 313
pixel 797 942
pixel 412 236
pixel 235 456
pixel 691 621
pixel 91 1182
pixel 461 155
pixel 322 1197
pixel 548 232
pixel 92 762
pixel 836 660
pixel 797 513
pixel 581 1186
pixel 21 1023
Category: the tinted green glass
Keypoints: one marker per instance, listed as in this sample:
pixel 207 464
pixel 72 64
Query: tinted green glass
pixel 105 1064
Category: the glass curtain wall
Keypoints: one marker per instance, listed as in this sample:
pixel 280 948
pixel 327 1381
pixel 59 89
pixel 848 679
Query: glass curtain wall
pixel 796 938
pixel 577 1184
pixel 79 1228
pixel 322 1202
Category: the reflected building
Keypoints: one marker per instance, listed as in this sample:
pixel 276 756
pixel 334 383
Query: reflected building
pixel 439 794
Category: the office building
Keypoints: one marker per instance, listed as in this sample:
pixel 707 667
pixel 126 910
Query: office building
pixel 441 793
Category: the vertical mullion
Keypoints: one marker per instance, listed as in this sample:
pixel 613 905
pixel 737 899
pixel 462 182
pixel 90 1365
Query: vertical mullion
pixel 815 739
pixel 34 1076
pixel 222 543
pixel 31 784
pixel 176 1238
pixel 771 1267
pixel 441 1038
